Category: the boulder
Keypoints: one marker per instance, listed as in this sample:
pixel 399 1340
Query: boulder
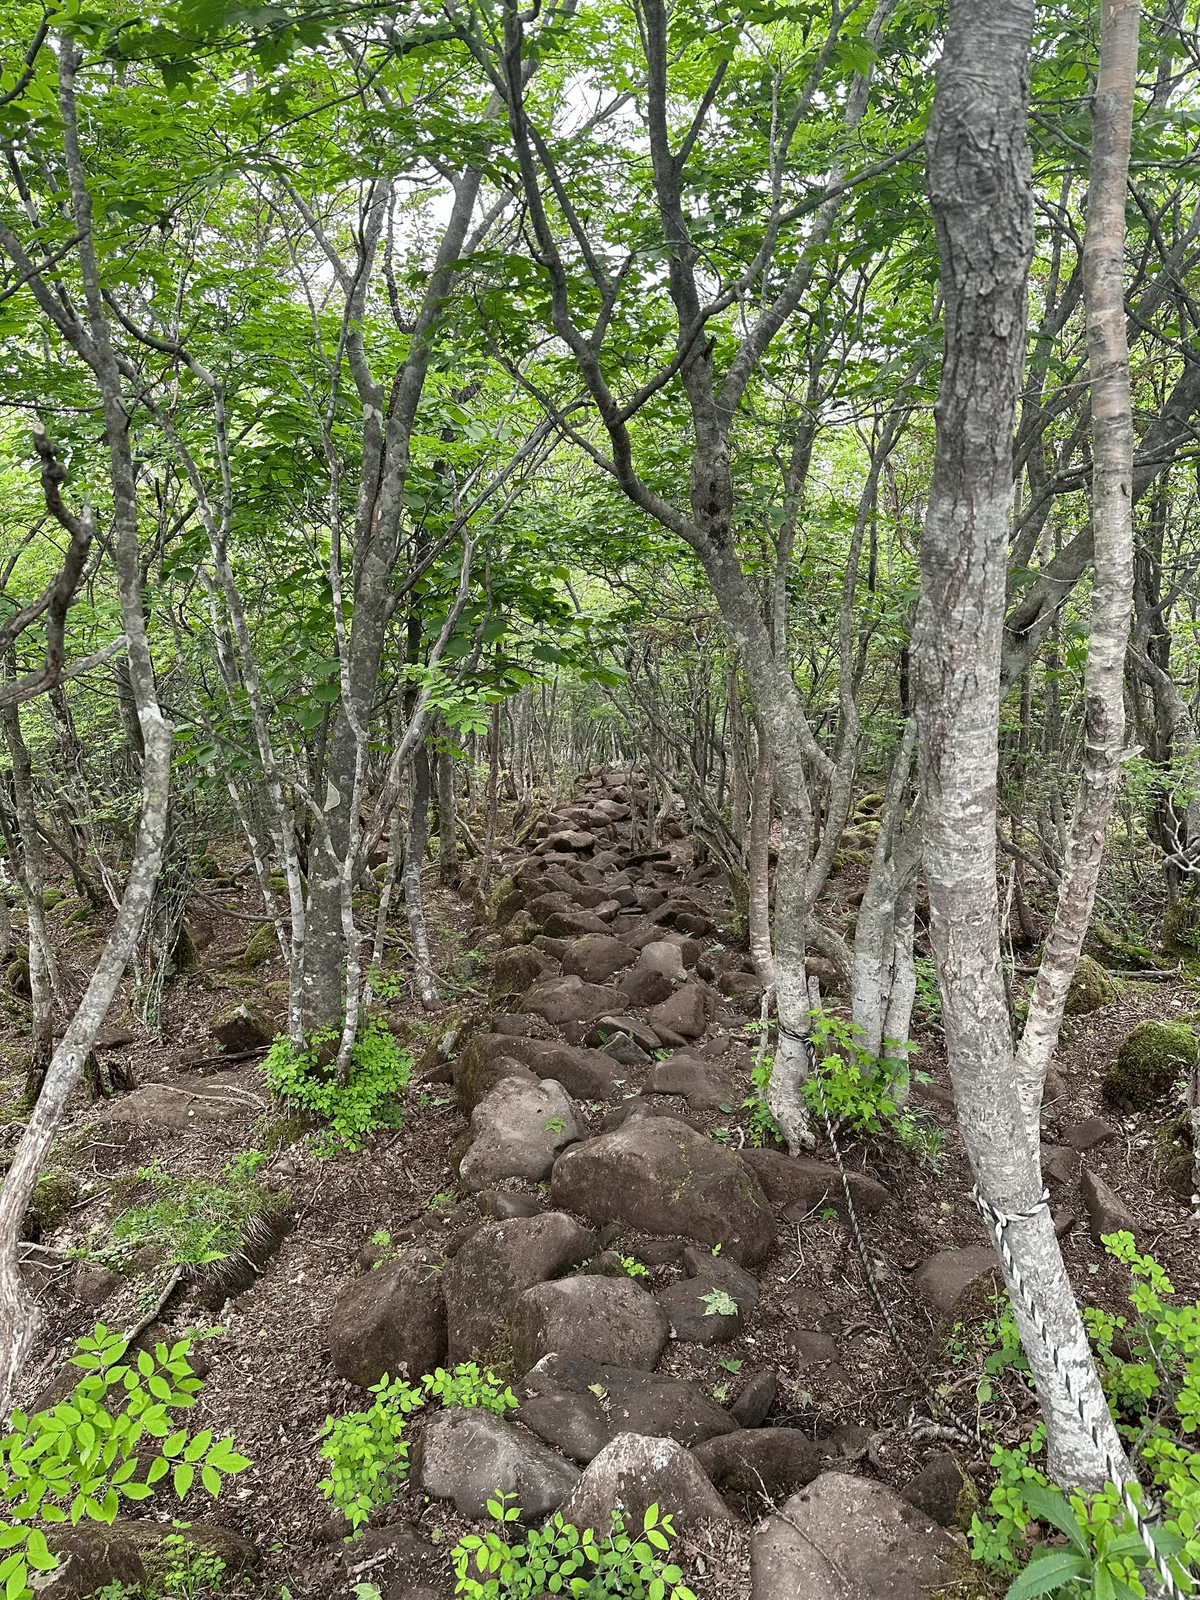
pixel 698 1082
pixel 943 1278
pixel 1089 1133
pixel 581 1406
pixel 484 1278
pixel 219 1106
pixel 569 999
pixel 589 1318
pixel 242 1027
pixel 809 1185
pixel 573 924
pixel 517 1131
pixel 1153 1058
pixel 687 1012
pixel 514 970
pixel 1091 988
pixel 844 1536
pixel 1060 1165
pixel 692 1304
pixel 755 1399
pixel 469 1456
pixel 502 1205
pixel 774 1462
pixel 390 1321
pixel 943 1491
pixel 625 1053
pixel 91 1556
pixel 1107 1212
pixel 659 1175
pixel 584 1074
pixel 659 968
pixel 597 957
pixel 634 1473
pixel 608 1027
pixel 567 839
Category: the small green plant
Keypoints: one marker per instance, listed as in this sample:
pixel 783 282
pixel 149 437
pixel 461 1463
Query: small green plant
pixel 181 1569
pixel 633 1267
pixel 1154 1392
pixel 562 1559
pixel 863 1092
pixel 444 1197
pixel 469 1385
pixel 719 1303
pixel 761 1127
pixel 928 1001
pixel 367 1452
pixel 555 1124
pixel 379 1073
pixel 81 1458
pixel 192 1221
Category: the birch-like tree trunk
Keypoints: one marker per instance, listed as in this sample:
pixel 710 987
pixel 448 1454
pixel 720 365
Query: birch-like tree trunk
pixel 981 196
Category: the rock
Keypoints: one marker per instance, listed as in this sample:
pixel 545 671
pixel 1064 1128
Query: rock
pixel 659 1175
pixel 1060 1165
pixel 93 1555
pixel 608 1027
pixel 514 970
pixel 1091 988
pixel 589 1318
pixel 1107 1212
pixel 1154 1057
pixel 811 1348
pixel 808 1185
pixel 687 1012
pixel 1089 1133
pixel 263 947
pixel 517 1131
pixel 502 1206
pixel 844 1536
pixel 569 999
pixel 755 1399
pixel 943 1491
pixel 660 958
pixel 634 1473
pixel 573 924
pixel 567 839
pixel 487 1274
pixel 92 1284
pixel 942 1279
pixel 391 1320
pixel 584 1074
pixel 581 1406
pixel 597 957
pixel 698 1082
pixel 688 1303
pixel 242 1027
pixel 469 1456
pixel 760 1461
pixel 625 1053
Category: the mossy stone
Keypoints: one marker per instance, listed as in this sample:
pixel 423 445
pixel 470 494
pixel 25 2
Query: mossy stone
pixel 55 1194
pixel 1153 1057
pixel 1174 1147
pixel 1091 988
pixel 263 945
pixel 52 898
pixel 1115 953
pixel 17 977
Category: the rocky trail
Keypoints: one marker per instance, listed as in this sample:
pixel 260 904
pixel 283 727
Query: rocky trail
pixel 576 1200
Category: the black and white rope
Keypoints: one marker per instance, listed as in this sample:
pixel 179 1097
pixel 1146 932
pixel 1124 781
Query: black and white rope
pixel 998 1223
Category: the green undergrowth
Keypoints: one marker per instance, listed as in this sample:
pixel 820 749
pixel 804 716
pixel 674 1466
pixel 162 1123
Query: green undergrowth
pixel 1074 1546
pixel 307 1080
pixel 367 1451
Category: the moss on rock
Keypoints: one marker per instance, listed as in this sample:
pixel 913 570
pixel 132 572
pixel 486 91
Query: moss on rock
pixel 1150 1061
pixel 1174 1148
pixel 263 945
pixel 55 1194
pixel 1091 988
pixel 1115 953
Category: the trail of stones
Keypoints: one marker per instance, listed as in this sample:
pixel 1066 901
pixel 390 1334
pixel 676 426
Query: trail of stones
pixel 616 1006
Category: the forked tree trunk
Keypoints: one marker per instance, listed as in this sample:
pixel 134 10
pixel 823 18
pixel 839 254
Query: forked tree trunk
pixel 981 196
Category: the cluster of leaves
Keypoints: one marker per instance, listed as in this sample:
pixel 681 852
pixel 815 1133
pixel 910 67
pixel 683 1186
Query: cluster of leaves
pixel 1154 1392
pixel 761 1127
pixel 379 1073
pixel 562 1559
pixel 863 1092
pixel 366 1450
pixel 192 1221
pixel 83 1456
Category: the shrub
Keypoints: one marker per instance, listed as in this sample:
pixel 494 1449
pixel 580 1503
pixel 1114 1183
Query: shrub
pixel 379 1072
pixel 80 1458
pixel 467 1385
pixel 560 1558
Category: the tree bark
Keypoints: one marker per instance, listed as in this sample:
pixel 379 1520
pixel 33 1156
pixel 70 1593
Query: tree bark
pixel 981 197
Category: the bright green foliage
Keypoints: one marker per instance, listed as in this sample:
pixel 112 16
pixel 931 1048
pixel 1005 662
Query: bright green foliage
pixel 863 1092
pixel 467 1385
pixel 366 1451
pixel 720 1303
pixel 633 1267
pixel 761 1127
pixel 379 1072
pixel 561 1559
pixel 1154 1393
pixel 183 1570
pixel 193 1221
pixel 81 1457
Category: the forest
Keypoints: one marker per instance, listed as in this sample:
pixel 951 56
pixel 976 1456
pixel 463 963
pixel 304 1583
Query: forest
pixel 600 799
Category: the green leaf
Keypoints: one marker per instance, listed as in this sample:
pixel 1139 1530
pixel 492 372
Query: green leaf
pixel 37 1552
pixel 1046 1573
pixel 1049 1504
pixel 182 1479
